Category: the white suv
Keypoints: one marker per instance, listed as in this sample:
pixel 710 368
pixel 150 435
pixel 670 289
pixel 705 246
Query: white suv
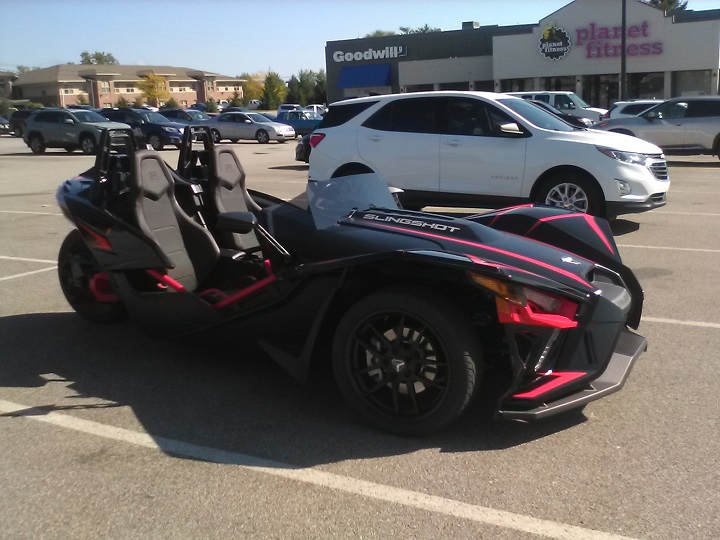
pixel 567 102
pixel 470 148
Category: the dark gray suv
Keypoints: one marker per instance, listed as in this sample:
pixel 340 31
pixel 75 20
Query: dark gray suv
pixel 688 125
pixel 61 128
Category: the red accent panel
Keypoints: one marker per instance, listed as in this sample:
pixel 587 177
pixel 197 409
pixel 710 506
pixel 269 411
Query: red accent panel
pixel 95 239
pixel 554 380
pixel 513 314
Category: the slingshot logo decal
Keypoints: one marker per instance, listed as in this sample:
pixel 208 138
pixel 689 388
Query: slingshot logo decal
pixel 570 260
pixel 411 222
pixel 554 42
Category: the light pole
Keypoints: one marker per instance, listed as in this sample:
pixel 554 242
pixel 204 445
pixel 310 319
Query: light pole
pixel 623 55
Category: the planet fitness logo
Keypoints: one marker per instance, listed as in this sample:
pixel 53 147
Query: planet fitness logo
pixel 554 43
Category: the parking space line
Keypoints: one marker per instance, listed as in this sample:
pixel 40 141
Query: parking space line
pixel 311 476
pixel 33 213
pixel 23 259
pixel 664 212
pixel 680 322
pixel 28 273
pixel 670 248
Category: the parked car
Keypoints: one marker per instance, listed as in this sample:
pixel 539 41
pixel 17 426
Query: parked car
pixel 239 125
pixel 303 122
pixel 568 102
pixel 153 127
pixel 235 108
pixel 289 107
pixel 633 107
pixel 17 121
pixel 689 125
pixel 66 128
pixel 465 148
pixel 316 108
pixel 303 148
pixel 185 116
pixel 577 121
pixel 4 126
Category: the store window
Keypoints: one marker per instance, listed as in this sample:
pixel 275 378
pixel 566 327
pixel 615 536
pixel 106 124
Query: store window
pixel 691 83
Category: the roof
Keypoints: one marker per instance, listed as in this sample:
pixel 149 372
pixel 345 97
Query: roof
pixel 82 72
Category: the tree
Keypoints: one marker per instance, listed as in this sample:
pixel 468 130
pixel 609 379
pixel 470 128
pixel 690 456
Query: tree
pixel 154 89
pixel 138 103
pixel 122 103
pixel 274 91
pixel 320 92
pixel 422 30
pixel 667 5
pixel 381 33
pixel 21 70
pixel 211 106
pixel 171 104
pixel 252 87
pixel 98 57
pixel 236 100
pixel 82 99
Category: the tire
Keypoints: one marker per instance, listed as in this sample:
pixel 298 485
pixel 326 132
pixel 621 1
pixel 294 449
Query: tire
pixel 88 145
pixel 76 267
pixel 412 336
pixel 234 140
pixel 215 134
pixel 18 131
pixel 36 144
pixel 155 141
pixel 351 169
pixel 262 136
pixel 70 149
pixel 572 191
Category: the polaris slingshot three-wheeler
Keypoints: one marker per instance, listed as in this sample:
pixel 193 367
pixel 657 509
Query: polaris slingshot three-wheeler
pixel 406 308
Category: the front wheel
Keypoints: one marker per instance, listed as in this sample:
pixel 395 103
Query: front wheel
pixel 79 275
pixel 215 134
pixel 262 136
pixel 155 141
pixel 88 145
pixel 572 191
pixel 407 361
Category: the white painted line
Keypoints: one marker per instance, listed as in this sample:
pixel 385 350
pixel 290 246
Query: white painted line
pixel 23 259
pixel 28 273
pixel 682 323
pixel 354 486
pixel 33 213
pixel 669 248
pixel 688 213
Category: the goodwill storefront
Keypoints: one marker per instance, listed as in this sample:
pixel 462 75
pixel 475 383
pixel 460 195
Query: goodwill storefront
pixel 577 48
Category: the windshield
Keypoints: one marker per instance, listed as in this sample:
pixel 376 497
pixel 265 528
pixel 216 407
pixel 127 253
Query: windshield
pixel 536 116
pixel 198 115
pixel 89 116
pixel 257 117
pixel 150 116
pixel 335 199
pixel 577 100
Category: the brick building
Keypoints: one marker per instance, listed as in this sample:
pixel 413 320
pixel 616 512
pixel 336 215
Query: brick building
pixel 103 85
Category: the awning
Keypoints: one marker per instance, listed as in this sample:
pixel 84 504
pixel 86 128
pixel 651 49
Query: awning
pixel 370 75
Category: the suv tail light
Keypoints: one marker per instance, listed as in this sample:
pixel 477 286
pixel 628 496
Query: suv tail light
pixel 315 139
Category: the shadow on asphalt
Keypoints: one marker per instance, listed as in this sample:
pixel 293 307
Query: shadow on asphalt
pixel 621 226
pixel 692 164
pixel 227 396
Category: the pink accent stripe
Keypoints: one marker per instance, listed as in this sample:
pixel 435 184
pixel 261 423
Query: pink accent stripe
pixel 557 379
pixel 167 280
pixel 490 248
pixel 588 219
pixel 508 210
pixel 99 283
pixel 247 291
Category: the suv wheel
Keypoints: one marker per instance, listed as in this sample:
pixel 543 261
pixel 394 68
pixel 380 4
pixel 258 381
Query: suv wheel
pixel 36 144
pixel 87 144
pixel 155 140
pixel 572 191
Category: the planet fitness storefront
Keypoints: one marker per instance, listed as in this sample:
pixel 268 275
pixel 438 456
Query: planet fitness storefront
pixel 577 48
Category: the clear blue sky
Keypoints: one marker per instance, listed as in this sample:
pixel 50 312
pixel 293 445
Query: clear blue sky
pixel 231 37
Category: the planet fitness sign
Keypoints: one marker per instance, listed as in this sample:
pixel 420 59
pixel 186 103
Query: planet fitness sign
pixel 554 42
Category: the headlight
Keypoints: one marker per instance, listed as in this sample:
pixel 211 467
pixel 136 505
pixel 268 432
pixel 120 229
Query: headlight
pixel 625 157
pixel 171 129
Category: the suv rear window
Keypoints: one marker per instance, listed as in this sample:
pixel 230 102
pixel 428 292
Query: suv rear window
pixel 409 115
pixel 702 108
pixel 339 114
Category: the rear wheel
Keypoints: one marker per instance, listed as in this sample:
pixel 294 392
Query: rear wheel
pixel 572 191
pixel 407 361
pixel 88 145
pixel 215 134
pixel 36 144
pixel 262 136
pixel 79 274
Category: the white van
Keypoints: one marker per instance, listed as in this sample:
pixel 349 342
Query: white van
pixel 567 102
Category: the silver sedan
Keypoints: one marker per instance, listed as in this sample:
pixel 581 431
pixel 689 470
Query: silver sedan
pixel 240 125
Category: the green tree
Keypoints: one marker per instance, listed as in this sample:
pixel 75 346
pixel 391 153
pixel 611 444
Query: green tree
pixel 252 87
pixel 381 33
pixel 98 57
pixel 154 89
pixel 211 106
pixel 21 70
pixel 421 30
pixel 667 5
pixel 274 91
pixel 171 104
pixel 236 100
pixel 320 90
pixel 123 103
pixel 138 103
pixel 4 104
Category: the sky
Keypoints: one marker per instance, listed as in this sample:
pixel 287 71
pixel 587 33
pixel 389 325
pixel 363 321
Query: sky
pixel 231 37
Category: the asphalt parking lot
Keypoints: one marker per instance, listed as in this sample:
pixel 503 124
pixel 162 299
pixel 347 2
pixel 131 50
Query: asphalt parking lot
pixel 107 433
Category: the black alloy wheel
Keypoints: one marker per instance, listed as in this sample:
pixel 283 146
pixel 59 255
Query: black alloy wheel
pixel 76 268
pixel 407 361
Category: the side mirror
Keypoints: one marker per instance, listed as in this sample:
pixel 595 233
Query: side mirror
pixel 248 121
pixel 511 129
pixel 69 121
pixel 652 115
